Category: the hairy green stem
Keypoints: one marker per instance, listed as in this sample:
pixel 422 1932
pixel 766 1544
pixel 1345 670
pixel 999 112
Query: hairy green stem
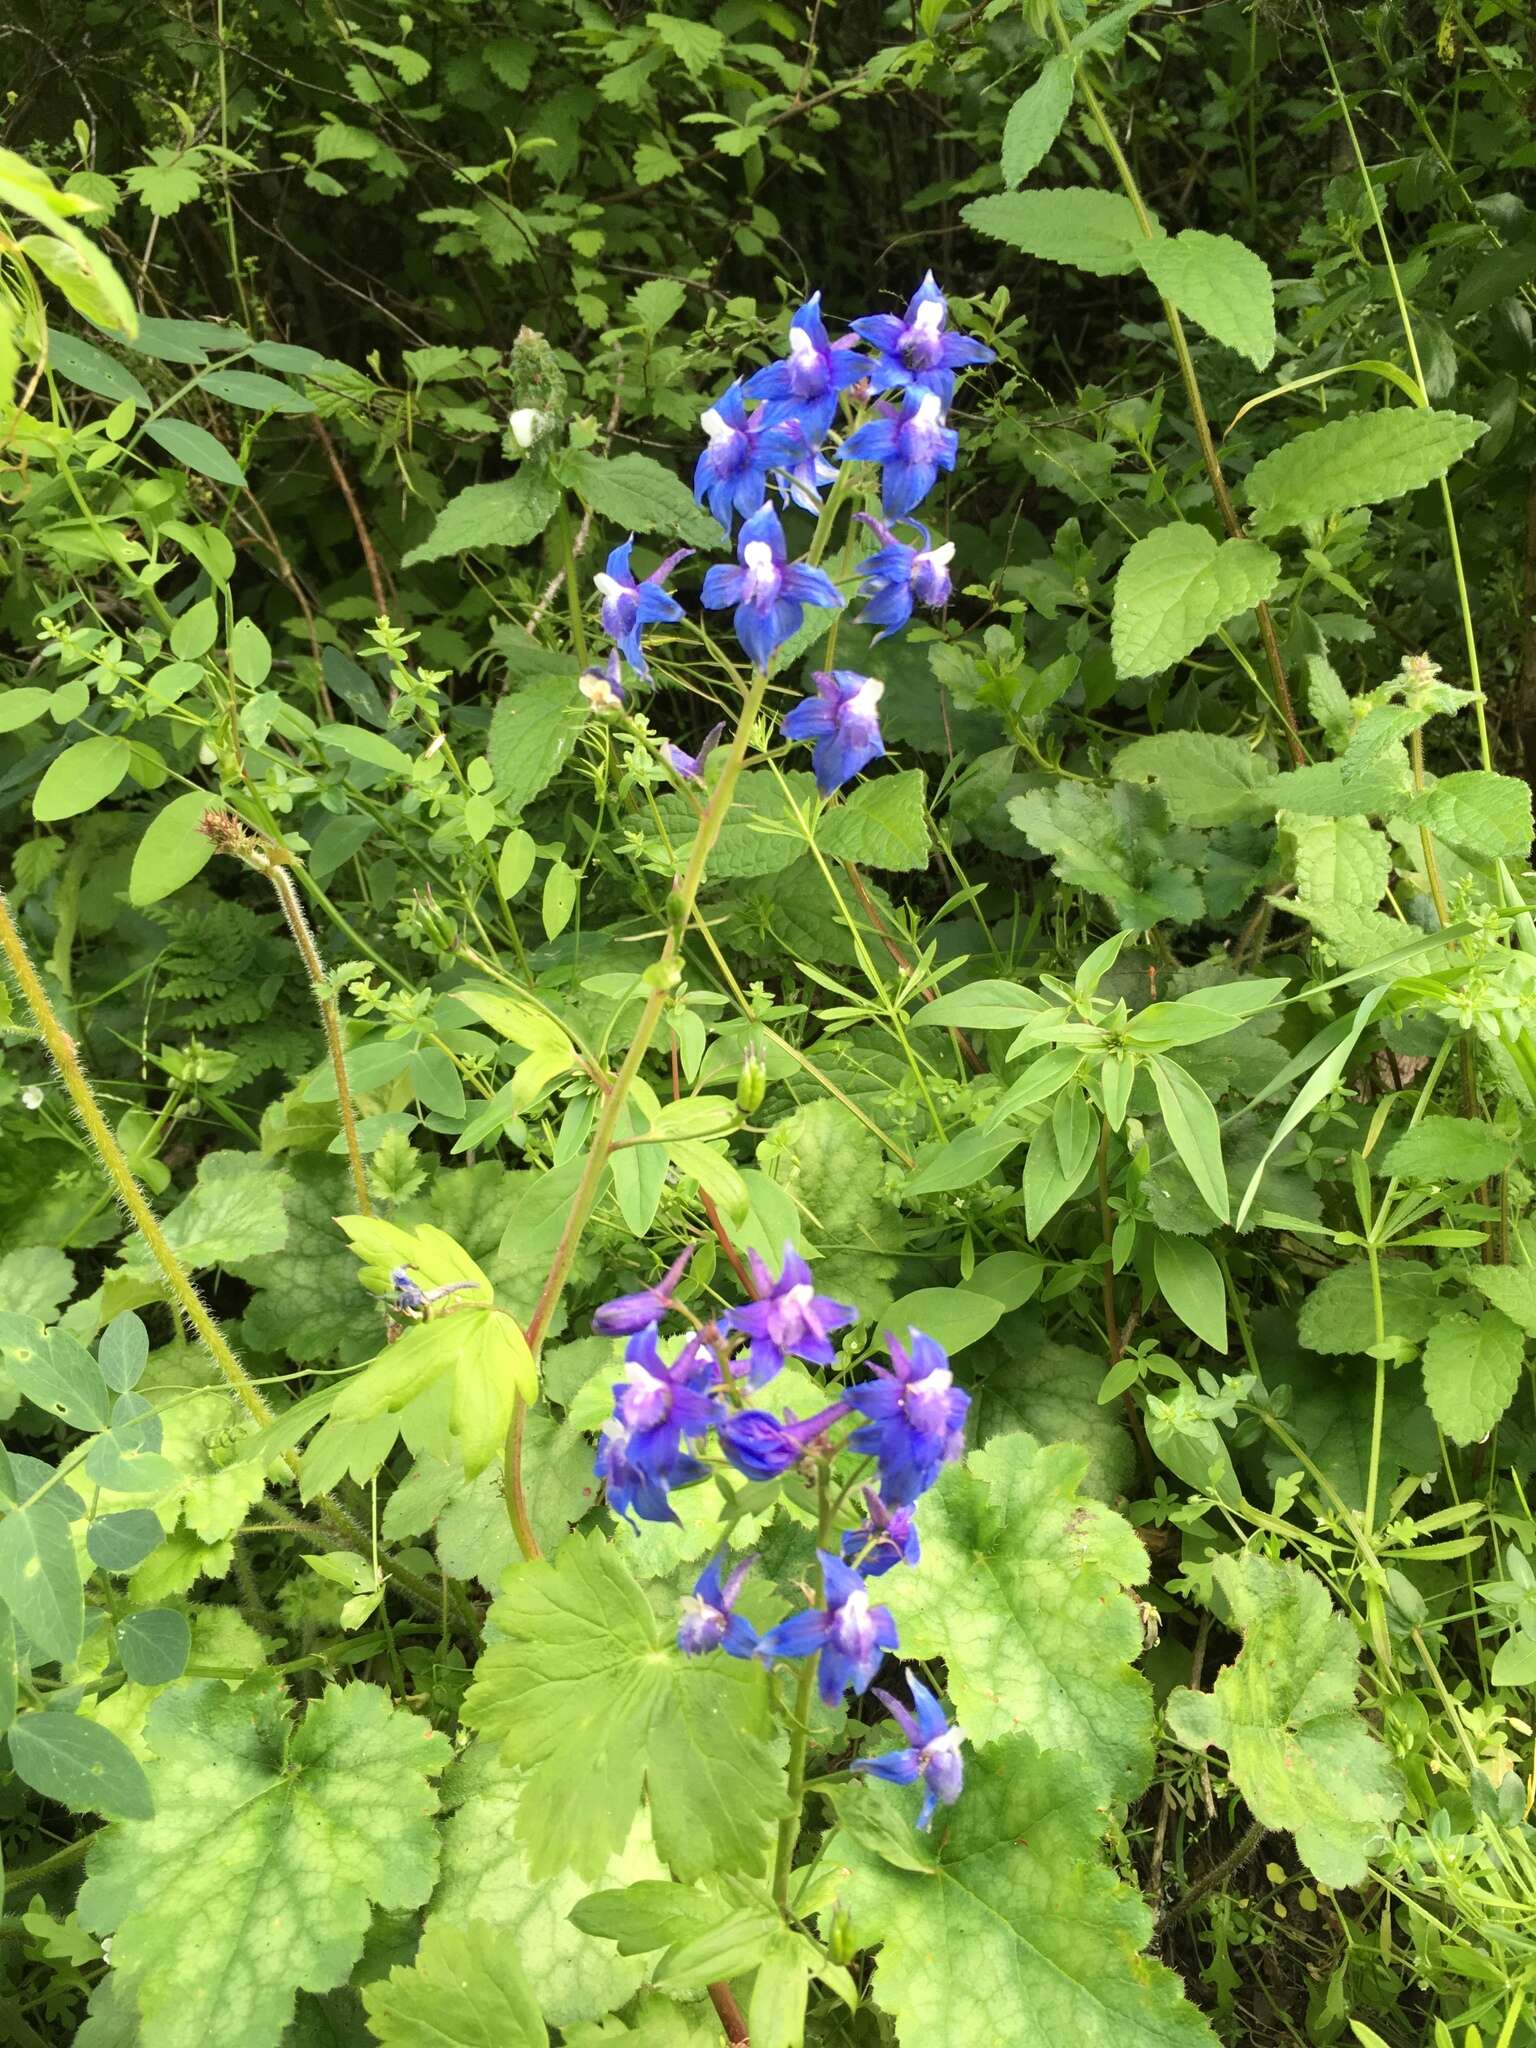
pixel 314 967
pixel 800 1733
pixel 1234 1859
pixel 662 977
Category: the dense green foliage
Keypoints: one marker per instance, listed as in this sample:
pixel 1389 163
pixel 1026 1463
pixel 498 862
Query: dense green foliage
pixel 1154 1027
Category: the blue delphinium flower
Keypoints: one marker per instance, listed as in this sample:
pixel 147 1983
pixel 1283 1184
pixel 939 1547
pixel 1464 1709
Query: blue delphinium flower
pixel 628 1313
pixel 789 1319
pixel 897 576
pixel 911 446
pixel 916 1419
pixel 802 480
pixel 407 1293
pixel 843 718
pixel 768 591
pixel 655 1406
pixel 710 1621
pixel 629 606
pixel 762 1446
pixel 932 1752
pixel 691 766
pixel 732 473
pixel 919 349
pixel 806 385
pixel 851 1635
pixel 886 1537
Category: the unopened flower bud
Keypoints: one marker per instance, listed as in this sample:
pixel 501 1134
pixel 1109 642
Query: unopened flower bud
pixel 751 1082
pixel 842 1944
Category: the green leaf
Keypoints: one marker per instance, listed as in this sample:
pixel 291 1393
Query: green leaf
pixel 1357 461
pixel 1478 812
pixel 81 362
pixel 589 1692
pixel 960 1163
pixel 984 1006
pixel 1220 284
pixel 1339 1315
pixel 249 388
pixel 507 514
pixel 1450 1148
pixel 1023 1592
pixel 274 1842
pixel 1285 1713
pixel 1511 1289
pixel 154 1645
pixel 1472 1371
pixel 1192 1286
pixel 532 732
pixel 1328 1054
pixel 84 775
pixel 1074 224
pixel 40 1580
pixel 1339 864
pixel 196 449
pixel 953 1316
pixel 1116 844
pixel 1204 778
pixel 80 1764
pixel 1176 587
pixel 63 1379
pixel 466 1989
pixel 172 850
pixel 22 706
pixel 250 653
pixel 1035 119
pixel 121 1542
pixel 640 495
pixel 235 1211
pixel 475 1359
pixel 881 825
pixel 1195 1131
pixel 1014 1930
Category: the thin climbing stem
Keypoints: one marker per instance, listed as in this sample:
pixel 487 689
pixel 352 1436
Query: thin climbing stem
pixel 293 911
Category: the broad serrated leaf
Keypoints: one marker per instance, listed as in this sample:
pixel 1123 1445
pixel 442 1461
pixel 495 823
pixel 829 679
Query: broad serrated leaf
pixel 1219 283
pixel 1007 1927
pixel 1472 1369
pixel 1479 812
pixel 1285 1713
pixel 1023 1592
pixel 80 1764
pixel 881 825
pixel 1035 119
pixel 1511 1289
pixel 1450 1148
pixel 640 495
pixel 274 1842
pixel 1204 778
pixel 1339 864
pixel 1116 844
pixel 507 514
pixel 1362 460
pixel 459 1372
pixel 1073 224
pixel 466 1989
pixel 1339 1315
pixel 532 732
pixel 1175 587
pixel 589 1691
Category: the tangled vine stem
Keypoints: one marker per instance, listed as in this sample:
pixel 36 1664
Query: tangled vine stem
pixel 1234 1859
pixel 584 1200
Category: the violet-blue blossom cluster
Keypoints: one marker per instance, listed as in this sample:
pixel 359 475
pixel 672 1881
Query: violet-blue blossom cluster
pixel 776 433
pixel 672 1417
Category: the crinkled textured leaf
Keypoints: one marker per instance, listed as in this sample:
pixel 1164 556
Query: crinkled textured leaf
pixel 1035 119
pixel 574 1976
pixel 1115 843
pixel 269 1847
pixel 1219 283
pixel 1339 1314
pixel 1472 1369
pixel 1479 812
pixel 1450 1148
pixel 1338 864
pixel 881 825
pixel 235 1212
pixel 507 514
pixel 1176 586
pixel 587 1689
pixel 1022 1591
pixel 1074 224
pixel 1285 1713
pixel 1203 777
pixel 1056 1400
pixel 466 1989
pixel 1511 1289
pixel 1015 1931
pixel 641 495
pixel 1357 461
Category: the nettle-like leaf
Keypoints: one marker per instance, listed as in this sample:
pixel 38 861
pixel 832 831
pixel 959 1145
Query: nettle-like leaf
pixel 1480 813
pixel 1357 461
pixel 639 494
pixel 1035 119
pixel 1006 1925
pixel 270 1846
pixel 1117 844
pixel 1023 1592
pixel 1472 1371
pixel 1203 777
pixel 466 1989
pixel 1285 1713
pixel 507 514
pixel 1219 283
pixel 1176 586
pixel 1073 224
pixel 588 1690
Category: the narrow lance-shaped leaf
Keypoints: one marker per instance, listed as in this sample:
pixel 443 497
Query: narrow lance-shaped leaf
pixel 1195 1132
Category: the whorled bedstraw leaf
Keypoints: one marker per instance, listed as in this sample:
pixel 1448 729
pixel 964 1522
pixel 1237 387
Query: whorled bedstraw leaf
pixel 1006 1926
pixel 586 1688
pixel 1285 1713
pixel 1022 1590
pixel 466 1989
pixel 271 1844
pixel 1176 586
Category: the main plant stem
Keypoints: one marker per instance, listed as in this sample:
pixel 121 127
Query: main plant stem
pixel 800 1734
pixel 314 967
pixel 662 976
pixel 1202 424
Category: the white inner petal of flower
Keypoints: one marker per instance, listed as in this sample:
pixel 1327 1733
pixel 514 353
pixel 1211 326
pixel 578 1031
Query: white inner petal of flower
pixel 930 409
pixel 762 570
pixel 853 1622
pixel 865 701
pixel 610 586
pixel 802 348
pixel 937 558
pixel 930 317
pixel 720 433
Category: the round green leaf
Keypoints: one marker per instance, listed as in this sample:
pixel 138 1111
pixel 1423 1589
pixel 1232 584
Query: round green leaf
pixel 154 1646
pixel 172 850
pixel 84 775
pixel 80 1764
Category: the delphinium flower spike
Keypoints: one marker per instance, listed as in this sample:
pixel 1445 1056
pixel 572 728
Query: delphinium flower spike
pixel 932 1752
pixel 731 474
pixel 886 1537
pixel 806 385
pixel 843 719
pixel 709 1620
pixel 911 447
pixel 641 1454
pixel 916 1418
pixel 897 576
pixel 629 606
pixel 627 1313
pixel 789 1319
pixel 763 1446
pixel 850 1634
pixel 919 349
pixel 768 591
